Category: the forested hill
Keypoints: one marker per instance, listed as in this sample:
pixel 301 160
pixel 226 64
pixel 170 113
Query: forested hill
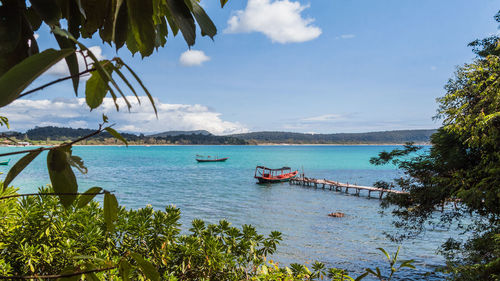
pixel 51 133
pixel 401 136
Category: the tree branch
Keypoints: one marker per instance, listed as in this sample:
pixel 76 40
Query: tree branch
pixel 56 276
pixel 98 131
pixel 55 81
pixel 51 194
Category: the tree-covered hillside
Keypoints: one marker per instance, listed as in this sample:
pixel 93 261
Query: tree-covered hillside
pixel 51 133
pixel 401 136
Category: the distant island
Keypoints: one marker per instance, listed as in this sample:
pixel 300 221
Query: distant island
pixel 54 135
pixel 384 137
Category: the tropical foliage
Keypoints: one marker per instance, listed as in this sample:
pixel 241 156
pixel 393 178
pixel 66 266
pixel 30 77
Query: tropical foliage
pixel 461 171
pixel 40 237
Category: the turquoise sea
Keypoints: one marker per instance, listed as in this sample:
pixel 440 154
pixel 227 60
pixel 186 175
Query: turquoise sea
pixel 165 175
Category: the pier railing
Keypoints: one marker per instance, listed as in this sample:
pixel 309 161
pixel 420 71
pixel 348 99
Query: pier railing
pixel 339 186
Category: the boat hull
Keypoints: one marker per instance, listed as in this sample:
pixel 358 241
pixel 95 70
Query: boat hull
pixel 212 160
pixel 285 178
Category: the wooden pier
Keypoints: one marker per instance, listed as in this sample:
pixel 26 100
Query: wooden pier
pixel 338 186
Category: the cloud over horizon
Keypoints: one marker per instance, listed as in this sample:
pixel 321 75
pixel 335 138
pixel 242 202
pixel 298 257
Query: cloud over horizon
pixel 193 58
pixel 280 20
pixel 26 114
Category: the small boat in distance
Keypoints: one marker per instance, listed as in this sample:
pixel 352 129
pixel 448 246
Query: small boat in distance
pixel 5 162
pixel 267 175
pixel 210 159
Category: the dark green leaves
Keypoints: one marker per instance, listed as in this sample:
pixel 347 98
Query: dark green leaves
pixel 71 60
pixel 146 267
pixel 116 135
pixel 110 210
pixel 183 19
pixel 87 196
pixel 124 269
pixel 141 25
pixel 48 10
pixel 205 23
pixel 19 166
pixel 20 76
pixel 222 3
pixel 61 176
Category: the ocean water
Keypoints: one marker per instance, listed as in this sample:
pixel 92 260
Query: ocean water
pixel 166 175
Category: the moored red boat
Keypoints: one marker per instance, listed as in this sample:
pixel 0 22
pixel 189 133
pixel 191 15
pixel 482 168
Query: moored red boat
pixel 267 175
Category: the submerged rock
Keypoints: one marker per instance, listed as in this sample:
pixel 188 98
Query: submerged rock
pixel 336 215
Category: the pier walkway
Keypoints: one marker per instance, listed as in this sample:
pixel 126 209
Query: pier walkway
pixel 338 186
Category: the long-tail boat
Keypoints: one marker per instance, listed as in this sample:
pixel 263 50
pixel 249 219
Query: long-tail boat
pixel 268 175
pixel 5 162
pixel 208 159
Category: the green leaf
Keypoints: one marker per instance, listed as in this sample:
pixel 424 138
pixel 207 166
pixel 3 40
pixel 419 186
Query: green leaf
pixel 48 10
pixel 183 19
pixel 80 7
pixel 21 75
pixel 91 277
pixel 19 166
pixel 101 67
pixel 141 25
pixel 142 85
pixel 96 14
pixel 362 276
pixel 222 3
pixel 95 90
pixel 385 253
pixel 33 18
pixel 116 135
pixel 110 211
pixel 121 26
pixel 205 23
pixel 118 71
pixel 71 60
pixel 408 263
pixel 146 267
pixel 77 162
pixel 61 176
pixel 87 196
pixel 124 269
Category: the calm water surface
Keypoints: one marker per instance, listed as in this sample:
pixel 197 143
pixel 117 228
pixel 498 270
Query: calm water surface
pixel 165 175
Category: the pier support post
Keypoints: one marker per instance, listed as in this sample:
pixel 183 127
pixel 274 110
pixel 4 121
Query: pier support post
pixel 369 193
pixel 381 194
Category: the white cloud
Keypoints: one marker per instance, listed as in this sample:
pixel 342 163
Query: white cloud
pixel 26 114
pixel 324 118
pixel 193 58
pixel 61 68
pixel 345 36
pixel 280 20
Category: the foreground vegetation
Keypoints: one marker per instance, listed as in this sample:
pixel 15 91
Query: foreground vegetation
pixel 40 237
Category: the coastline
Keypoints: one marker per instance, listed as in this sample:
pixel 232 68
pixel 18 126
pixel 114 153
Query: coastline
pixel 259 144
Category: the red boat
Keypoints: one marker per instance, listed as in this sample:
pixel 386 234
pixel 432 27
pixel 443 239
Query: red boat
pixel 267 175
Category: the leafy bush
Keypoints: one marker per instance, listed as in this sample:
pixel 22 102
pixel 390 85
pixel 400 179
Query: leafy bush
pixel 40 237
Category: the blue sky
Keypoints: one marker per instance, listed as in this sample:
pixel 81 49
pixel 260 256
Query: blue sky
pixel 323 66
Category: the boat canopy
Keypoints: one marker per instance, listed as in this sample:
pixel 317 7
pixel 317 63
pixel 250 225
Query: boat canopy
pixel 279 169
